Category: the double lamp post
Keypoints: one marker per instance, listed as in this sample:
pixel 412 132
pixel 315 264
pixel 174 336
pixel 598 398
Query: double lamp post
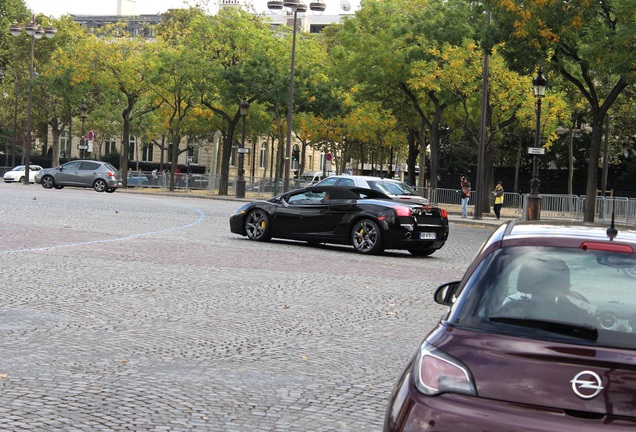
pixel 295 6
pixel 34 31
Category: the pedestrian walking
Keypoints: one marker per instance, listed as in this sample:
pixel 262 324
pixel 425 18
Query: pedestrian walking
pixel 465 195
pixel 499 199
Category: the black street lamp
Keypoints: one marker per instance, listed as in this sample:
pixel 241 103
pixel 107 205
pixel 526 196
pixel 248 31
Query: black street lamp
pixel 35 31
pixel 295 6
pixel 83 112
pixel 533 210
pixel 240 181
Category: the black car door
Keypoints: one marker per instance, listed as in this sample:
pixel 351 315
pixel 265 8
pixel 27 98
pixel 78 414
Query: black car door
pixel 304 215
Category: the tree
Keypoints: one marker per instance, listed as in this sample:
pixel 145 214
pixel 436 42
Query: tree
pixel 583 41
pixel 65 83
pixel 382 48
pixel 229 64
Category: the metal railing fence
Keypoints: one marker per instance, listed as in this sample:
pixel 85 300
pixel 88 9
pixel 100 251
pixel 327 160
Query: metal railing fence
pixel 553 206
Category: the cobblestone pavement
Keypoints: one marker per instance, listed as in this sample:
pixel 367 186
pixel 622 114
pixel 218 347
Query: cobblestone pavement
pixel 138 312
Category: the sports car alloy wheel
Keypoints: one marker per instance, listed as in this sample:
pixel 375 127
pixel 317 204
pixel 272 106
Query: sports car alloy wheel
pixel 257 226
pixel 366 237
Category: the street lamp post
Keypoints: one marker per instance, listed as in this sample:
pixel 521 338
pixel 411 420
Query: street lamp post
pixel 533 210
pixel 83 112
pixel 295 6
pixel 240 181
pixel 35 31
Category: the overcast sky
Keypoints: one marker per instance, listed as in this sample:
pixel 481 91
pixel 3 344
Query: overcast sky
pixel 109 7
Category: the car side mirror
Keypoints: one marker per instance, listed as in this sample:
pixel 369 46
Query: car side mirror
pixel 445 294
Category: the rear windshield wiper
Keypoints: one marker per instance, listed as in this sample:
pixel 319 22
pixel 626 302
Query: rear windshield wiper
pixel 568 329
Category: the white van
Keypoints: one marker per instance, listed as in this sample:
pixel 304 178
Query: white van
pixel 310 178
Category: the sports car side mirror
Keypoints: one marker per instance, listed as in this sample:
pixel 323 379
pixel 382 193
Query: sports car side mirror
pixel 445 294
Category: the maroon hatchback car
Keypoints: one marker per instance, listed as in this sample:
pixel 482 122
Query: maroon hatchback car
pixel 540 336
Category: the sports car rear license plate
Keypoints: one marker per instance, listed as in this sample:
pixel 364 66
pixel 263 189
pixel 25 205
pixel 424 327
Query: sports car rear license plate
pixel 428 236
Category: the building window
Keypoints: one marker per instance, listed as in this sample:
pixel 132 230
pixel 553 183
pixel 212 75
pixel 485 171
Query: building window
pixel 147 151
pixel 110 146
pixel 65 145
pixel 132 142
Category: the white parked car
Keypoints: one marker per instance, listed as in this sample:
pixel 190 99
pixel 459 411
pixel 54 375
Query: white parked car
pixel 396 189
pixel 17 174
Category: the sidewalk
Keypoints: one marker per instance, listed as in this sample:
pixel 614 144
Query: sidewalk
pixel 455 216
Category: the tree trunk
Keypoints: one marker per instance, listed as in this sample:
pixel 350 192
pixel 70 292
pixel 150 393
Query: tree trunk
pixel 592 169
pixel 225 159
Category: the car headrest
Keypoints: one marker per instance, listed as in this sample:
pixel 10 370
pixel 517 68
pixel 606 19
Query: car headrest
pixel 540 274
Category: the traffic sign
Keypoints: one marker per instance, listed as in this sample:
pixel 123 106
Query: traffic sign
pixel 90 135
pixel 328 157
pixel 536 150
pixel 243 150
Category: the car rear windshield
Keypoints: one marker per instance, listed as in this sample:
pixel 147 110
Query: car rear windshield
pixel 391 188
pixel 554 293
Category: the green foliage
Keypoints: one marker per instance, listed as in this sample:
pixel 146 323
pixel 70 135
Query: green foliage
pixel 399 74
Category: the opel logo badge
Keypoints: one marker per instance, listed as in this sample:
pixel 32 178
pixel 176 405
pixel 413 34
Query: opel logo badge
pixel 587 384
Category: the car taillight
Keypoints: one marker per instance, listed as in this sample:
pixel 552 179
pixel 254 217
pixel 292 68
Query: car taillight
pixel 403 211
pixel 435 372
pixel 111 174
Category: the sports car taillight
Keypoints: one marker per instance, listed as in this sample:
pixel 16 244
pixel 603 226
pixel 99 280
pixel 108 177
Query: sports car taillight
pixel 444 213
pixel 436 372
pixel 403 211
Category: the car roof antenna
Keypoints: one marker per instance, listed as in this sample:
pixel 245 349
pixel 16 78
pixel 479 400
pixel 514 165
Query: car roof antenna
pixel 612 232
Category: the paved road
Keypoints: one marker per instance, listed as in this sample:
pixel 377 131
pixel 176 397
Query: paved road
pixel 136 312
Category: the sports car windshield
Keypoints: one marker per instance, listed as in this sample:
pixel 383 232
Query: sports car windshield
pixel 554 293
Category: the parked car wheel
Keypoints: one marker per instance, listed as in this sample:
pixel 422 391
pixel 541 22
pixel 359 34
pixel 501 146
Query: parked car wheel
pixel 100 185
pixel 366 237
pixel 48 182
pixel 422 251
pixel 257 226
